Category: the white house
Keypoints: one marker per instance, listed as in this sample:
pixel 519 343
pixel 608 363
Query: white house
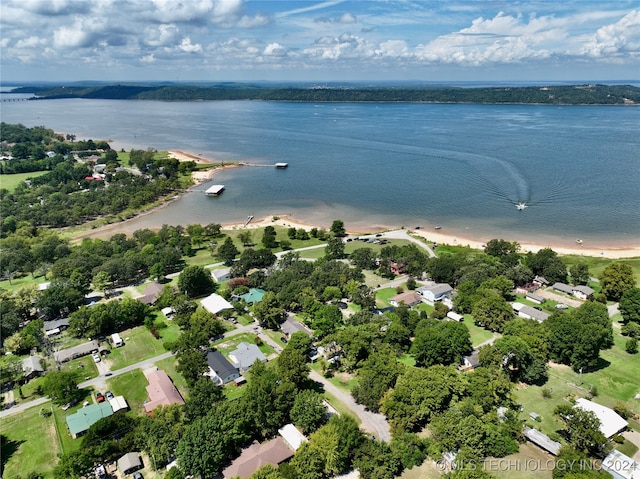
pixel 621 466
pixel 215 303
pixel 582 292
pixel 611 422
pixel 436 292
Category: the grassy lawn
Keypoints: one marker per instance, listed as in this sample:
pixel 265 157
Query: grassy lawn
pixel 617 382
pixel 26 280
pixel 597 265
pixel 478 334
pixel 139 345
pixel 132 385
pixel 10 182
pixel 31 443
pixel 226 345
pixel 171 332
pixel 383 296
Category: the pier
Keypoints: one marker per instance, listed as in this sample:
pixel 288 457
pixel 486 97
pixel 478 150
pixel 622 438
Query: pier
pixel 280 166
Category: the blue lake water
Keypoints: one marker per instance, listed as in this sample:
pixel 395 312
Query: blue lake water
pixel 462 166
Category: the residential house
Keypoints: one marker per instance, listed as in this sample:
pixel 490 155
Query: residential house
pixel 435 292
pixel 86 417
pixel 291 325
pixel 32 367
pixel 161 390
pixel 542 440
pixel 541 281
pixel 83 349
pixel 528 312
pixel 257 455
pixel 408 298
pixel 220 370
pixel 245 355
pixel 253 296
pixel 611 423
pixel 130 463
pixel 55 327
pixel 221 274
pixel 472 360
pixel 562 288
pixel 535 298
pixel 215 303
pixel 582 292
pixel 151 294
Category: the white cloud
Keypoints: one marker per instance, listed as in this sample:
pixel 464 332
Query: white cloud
pixel 622 37
pixel 160 35
pixel 274 49
pixel 187 46
pixel 393 48
pixel 348 18
pixel 148 58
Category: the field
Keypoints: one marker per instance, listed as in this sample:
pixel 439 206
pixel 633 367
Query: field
pixel 132 385
pixel 478 335
pixel 139 345
pixel 30 443
pixel 10 182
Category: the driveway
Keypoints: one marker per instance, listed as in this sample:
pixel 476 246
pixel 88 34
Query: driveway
pixel 373 423
pixel 545 293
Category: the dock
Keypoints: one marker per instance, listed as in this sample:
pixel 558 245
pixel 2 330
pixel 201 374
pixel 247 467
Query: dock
pixel 214 190
pixel 280 166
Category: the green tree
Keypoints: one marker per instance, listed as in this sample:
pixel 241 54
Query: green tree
pixel 269 240
pixel 363 258
pixel 440 342
pixel 204 394
pixel 492 312
pixel 292 365
pixel 631 346
pixel 337 228
pixel 60 386
pixel 195 281
pixel 192 364
pixel 582 427
pixel 616 279
pixel 309 412
pixel 376 376
pixel 579 273
pixel 268 311
pixel 630 305
pixel 245 237
pixel 227 251
pixel 334 248
pixel 159 435
pixel 101 282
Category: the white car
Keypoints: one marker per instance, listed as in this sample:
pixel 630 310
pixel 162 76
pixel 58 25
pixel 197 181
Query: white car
pixel 96 358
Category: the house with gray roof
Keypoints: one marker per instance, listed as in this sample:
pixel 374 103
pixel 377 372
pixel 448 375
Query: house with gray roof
pixel 409 298
pixel 435 292
pixel 527 312
pixel 220 370
pixel 83 349
pixel 582 292
pixel 245 355
pixel 130 462
pixel 563 288
pixel 31 367
pixel 55 327
pixel 535 298
pixel 291 325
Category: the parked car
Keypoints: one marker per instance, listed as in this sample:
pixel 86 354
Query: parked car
pixel 109 395
pixel 96 358
pixel 99 397
pixel 137 475
pixel 283 339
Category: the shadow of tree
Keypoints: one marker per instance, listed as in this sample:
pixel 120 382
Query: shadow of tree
pixel 8 447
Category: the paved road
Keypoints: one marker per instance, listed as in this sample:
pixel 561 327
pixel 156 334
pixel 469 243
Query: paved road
pixel 375 424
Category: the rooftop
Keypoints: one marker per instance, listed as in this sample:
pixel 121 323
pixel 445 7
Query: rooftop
pixel 215 303
pixel 87 416
pixel 257 455
pixel 161 390
pixel 245 355
pixel 610 421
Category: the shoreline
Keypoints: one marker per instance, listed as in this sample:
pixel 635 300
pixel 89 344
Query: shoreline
pixel 289 220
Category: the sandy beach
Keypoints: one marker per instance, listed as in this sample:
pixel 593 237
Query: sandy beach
pixel 288 220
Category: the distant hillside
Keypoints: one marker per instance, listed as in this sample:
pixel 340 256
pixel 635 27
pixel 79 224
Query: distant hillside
pixel 552 95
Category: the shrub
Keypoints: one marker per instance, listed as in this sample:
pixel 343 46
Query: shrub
pixel 546 393
pixel 631 346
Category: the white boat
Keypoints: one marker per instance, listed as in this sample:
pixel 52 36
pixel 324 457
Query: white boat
pixel 579 241
pixel 438 227
pixel 521 206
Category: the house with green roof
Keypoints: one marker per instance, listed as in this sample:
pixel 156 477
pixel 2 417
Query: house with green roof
pixel 86 417
pixel 253 296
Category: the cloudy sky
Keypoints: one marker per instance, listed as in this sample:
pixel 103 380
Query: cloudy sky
pixel 251 40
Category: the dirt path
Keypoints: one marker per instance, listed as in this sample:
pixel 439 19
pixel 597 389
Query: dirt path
pixel 545 293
